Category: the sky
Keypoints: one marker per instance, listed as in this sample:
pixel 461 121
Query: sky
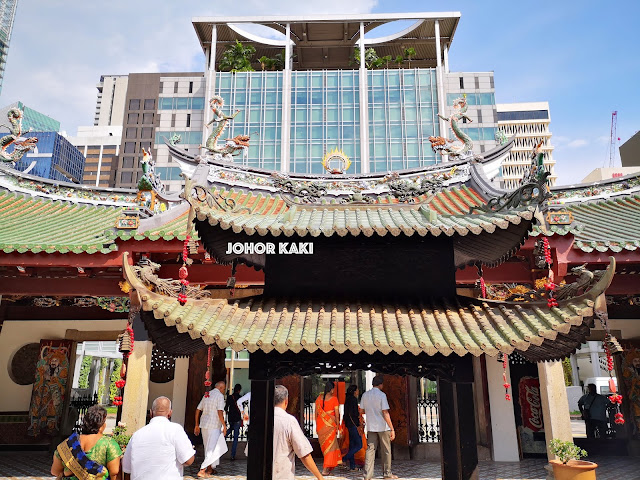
pixel 581 57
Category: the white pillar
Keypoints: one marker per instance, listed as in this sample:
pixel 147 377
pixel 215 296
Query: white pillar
pixel 179 395
pixel 210 80
pixel 99 165
pixel 364 107
pixel 575 372
pixel 285 134
pixel 439 82
pixel 503 420
pixel 446 58
pixel 555 405
pixel 595 358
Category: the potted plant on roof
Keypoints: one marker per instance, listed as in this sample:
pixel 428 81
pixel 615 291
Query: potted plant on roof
pixel 568 465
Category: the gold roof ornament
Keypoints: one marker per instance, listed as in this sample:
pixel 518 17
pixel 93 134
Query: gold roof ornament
pixel 336 162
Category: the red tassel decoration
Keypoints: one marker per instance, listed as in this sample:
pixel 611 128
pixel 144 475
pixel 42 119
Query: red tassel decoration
pixel 506 385
pixel 207 375
pixel 184 273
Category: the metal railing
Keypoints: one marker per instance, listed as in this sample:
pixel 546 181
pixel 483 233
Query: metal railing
pixel 428 419
pixel 309 420
pixel 82 404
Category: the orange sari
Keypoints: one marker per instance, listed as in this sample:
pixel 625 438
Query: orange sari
pixel 327 429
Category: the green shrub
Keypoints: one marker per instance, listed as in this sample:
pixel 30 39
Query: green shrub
pixel 115 376
pixel 85 369
pixel 566 451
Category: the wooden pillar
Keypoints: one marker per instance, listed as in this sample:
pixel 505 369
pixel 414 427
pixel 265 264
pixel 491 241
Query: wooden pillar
pixel 555 406
pixel 293 384
pixel 195 388
pixel 136 392
pixel 179 394
pixel 397 389
pixel 260 461
pixel 458 444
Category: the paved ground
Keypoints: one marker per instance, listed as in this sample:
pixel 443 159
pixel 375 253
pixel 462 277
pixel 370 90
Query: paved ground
pixel 35 466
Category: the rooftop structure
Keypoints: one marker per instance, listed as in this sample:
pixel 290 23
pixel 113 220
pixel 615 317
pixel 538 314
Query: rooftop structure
pixel 328 41
pixel 529 123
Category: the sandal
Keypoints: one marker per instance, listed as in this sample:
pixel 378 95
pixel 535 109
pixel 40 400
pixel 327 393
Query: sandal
pixel 390 476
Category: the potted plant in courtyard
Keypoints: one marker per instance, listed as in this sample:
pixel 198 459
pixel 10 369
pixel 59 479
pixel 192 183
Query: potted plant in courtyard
pixel 119 434
pixel 568 465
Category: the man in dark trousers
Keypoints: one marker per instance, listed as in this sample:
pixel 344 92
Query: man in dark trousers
pixel 593 408
pixel 234 417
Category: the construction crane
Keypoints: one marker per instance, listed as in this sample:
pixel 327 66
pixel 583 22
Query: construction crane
pixel 613 141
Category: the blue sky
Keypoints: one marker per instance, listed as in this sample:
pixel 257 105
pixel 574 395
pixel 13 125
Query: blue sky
pixel 581 57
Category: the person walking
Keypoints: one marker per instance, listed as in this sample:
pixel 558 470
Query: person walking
pixel 210 420
pixel 327 426
pixel 593 408
pixel 160 449
pixel 380 430
pixel 234 417
pixel 352 424
pixel 289 440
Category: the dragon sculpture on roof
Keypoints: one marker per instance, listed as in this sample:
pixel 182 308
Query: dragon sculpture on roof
pixel 21 146
pixel 233 146
pixel 463 146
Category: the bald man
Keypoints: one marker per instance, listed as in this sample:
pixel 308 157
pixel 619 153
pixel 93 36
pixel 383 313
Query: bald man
pixel 210 419
pixel 160 449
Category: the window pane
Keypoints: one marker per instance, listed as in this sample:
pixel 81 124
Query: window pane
pixel 197 103
pixel 134 104
pixel 181 103
pixel 146 132
pixel 165 103
pixel 126 177
pixel 150 104
pixel 131 133
pixel 129 147
pixel 127 162
pixel 147 118
pixel 132 118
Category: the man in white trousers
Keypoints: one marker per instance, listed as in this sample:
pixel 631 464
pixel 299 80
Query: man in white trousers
pixel 210 420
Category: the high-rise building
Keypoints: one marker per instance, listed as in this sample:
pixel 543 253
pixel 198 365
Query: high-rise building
pixel 112 90
pixel 321 99
pixel 32 119
pixel 381 116
pixel 529 122
pixel 55 158
pixel 100 146
pixel 7 15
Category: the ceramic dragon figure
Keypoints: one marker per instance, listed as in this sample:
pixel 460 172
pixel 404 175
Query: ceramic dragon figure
pixel 233 146
pixel 537 168
pixel 149 181
pixel 461 147
pixel 14 115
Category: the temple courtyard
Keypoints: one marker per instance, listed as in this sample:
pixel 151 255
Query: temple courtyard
pixel 35 466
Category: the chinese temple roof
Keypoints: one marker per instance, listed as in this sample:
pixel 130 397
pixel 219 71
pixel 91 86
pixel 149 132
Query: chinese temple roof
pixel 460 325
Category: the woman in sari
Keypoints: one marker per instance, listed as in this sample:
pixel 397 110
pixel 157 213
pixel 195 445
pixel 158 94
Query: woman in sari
pixel 90 455
pixel 327 426
pixel 353 443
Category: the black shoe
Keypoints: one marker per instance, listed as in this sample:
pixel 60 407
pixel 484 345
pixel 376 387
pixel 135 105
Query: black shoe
pixel 232 459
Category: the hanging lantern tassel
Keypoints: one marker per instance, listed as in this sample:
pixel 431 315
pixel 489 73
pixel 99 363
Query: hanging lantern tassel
pixel 483 285
pixel 207 375
pixel 547 251
pixel 507 385
pixel 183 273
pixel 231 281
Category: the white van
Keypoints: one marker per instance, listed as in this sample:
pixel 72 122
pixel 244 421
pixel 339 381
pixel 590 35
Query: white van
pixel 601 383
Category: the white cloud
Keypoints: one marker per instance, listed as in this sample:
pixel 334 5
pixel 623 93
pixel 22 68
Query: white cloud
pixel 60 48
pixel 579 142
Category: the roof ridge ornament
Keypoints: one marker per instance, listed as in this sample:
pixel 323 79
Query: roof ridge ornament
pixel 21 146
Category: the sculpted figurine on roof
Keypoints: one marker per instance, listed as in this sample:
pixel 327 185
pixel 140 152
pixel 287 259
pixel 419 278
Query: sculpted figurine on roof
pixel 21 146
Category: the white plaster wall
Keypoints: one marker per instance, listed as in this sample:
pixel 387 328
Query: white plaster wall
pixel 503 420
pixel 159 390
pixel 15 334
pixel 573 395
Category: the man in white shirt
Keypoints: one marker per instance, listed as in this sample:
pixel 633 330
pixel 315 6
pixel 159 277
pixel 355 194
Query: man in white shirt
pixel 160 449
pixel 380 430
pixel 289 440
pixel 210 419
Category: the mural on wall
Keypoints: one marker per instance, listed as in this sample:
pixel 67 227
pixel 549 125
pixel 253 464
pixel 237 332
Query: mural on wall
pixel 631 376
pixel 49 389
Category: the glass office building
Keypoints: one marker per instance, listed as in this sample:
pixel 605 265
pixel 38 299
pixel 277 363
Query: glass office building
pixel 325 99
pixel 7 15
pixel 55 158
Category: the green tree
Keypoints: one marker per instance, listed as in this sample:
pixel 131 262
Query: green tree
pixel 85 369
pixel 266 63
pixel 399 59
pixel 115 376
pixel 568 372
pixel 386 59
pixel 237 58
pixel 104 363
pixel 409 53
pixel 371 59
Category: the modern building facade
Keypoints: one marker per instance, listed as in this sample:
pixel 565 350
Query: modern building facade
pixel 529 122
pixel 7 15
pixel 100 147
pixel 323 99
pixel 112 90
pixel 32 119
pixel 55 158
pixel 630 151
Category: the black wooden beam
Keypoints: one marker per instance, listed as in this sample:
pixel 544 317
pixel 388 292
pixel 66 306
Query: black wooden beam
pixel 260 459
